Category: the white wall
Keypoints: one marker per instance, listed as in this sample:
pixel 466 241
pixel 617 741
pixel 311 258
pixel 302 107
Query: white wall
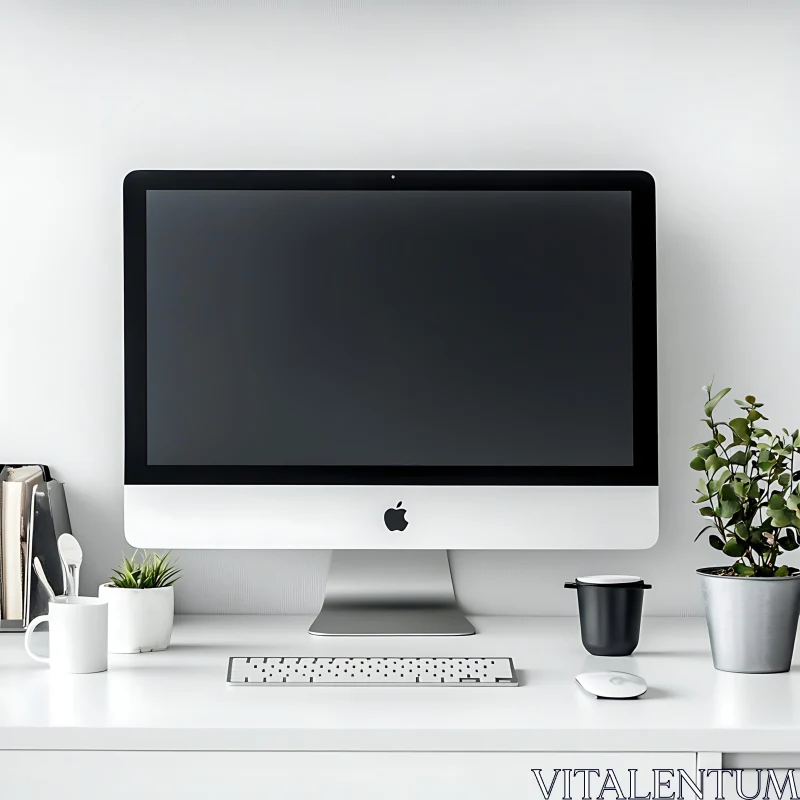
pixel 702 94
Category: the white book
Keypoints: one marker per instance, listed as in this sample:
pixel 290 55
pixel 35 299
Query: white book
pixel 16 493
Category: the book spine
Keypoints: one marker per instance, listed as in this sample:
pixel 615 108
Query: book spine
pixel 13 494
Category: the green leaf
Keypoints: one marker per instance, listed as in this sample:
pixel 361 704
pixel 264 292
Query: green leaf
pixel 704 498
pixel 753 415
pixel 743 569
pixel 785 479
pixel 717 483
pixel 776 502
pixel 789 539
pixel 760 432
pixel 780 517
pixel 734 548
pixel 729 508
pixel 741 427
pixel 741 487
pixel 705 452
pixel 698 463
pixel 739 458
pixel 716 542
pixel 742 532
pixel 713 463
pixel 782 572
pixel 793 502
pixel 750 398
pixel 712 403
pixel 707 512
pixel 753 492
pixel 755 537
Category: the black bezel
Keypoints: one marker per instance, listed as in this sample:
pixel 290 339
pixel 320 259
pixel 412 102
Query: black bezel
pixel 643 472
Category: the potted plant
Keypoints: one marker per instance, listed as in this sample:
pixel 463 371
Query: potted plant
pixel 141 603
pixel 749 496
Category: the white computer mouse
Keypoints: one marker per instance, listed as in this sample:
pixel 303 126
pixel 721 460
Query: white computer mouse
pixel 612 685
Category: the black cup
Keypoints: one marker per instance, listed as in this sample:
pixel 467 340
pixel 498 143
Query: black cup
pixel 610 609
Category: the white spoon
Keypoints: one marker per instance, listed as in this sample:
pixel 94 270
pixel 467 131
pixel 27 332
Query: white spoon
pixel 71 557
pixel 39 569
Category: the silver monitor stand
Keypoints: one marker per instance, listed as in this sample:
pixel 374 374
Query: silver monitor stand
pixel 390 593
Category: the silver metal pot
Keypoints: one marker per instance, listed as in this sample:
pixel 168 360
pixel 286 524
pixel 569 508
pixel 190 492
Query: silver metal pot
pixel 752 622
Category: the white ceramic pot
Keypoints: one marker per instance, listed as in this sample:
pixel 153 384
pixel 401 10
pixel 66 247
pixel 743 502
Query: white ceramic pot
pixel 139 620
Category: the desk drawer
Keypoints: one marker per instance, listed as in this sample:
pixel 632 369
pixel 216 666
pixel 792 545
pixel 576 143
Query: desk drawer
pixel 78 775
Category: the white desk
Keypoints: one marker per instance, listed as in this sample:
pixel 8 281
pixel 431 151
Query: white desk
pixel 197 730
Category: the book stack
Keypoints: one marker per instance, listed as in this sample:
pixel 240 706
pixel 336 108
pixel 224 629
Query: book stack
pixel 33 512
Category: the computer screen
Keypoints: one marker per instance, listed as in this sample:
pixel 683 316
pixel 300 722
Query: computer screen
pixel 400 328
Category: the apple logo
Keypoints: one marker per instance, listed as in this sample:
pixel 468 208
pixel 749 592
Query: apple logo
pixel 395 518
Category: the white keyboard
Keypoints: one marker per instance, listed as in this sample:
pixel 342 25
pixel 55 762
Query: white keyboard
pixel 404 671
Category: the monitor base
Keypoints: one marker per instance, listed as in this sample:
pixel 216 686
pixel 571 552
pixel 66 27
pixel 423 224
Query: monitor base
pixel 390 593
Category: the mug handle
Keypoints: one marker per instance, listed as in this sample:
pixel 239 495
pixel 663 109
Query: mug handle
pixel 29 633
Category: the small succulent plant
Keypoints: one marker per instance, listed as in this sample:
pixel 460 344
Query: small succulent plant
pixel 748 491
pixel 150 571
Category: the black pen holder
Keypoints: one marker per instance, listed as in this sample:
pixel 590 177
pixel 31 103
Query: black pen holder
pixel 610 610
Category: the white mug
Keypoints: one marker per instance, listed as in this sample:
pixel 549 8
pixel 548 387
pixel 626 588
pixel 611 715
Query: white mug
pixel 78 635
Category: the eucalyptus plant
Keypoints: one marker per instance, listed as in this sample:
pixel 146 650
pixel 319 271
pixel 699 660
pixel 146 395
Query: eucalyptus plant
pixel 150 571
pixel 748 491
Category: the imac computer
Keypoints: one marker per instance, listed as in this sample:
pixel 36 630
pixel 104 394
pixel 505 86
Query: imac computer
pixel 390 365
